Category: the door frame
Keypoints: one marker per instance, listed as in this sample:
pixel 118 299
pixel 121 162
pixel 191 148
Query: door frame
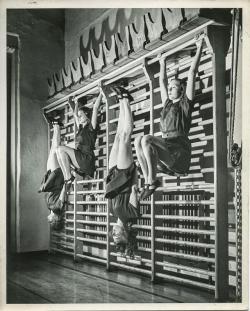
pixel 13 146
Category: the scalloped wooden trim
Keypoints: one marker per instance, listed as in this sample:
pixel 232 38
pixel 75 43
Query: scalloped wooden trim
pixel 67 76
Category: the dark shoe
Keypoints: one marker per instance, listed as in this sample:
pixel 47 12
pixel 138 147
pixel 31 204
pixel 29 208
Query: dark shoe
pixel 68 183
pixel 151 189
pixel 121 92
pixel 47 118
pixel 51 120
pixel 54 122
pixel 144 190
pixel 70 180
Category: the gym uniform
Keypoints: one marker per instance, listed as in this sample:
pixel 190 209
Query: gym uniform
pixel 175 122
pixel 52 184
pixel 119 189
pixel 84 152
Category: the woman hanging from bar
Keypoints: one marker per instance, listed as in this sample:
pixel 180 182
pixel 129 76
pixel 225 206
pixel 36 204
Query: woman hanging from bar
pixel 53 183
pixel 121 182
pixel 170 153
pixel 82 156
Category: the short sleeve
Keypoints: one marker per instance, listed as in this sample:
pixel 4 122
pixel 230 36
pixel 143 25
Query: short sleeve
pixel 186 104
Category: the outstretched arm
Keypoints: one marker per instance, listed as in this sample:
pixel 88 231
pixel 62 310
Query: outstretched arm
pixel 193 70
pixel 95 110
pixel 63 195
pixel 73 103
pixel 163 81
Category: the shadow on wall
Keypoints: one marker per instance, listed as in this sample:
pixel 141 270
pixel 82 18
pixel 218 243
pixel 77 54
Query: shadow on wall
pixel 117 20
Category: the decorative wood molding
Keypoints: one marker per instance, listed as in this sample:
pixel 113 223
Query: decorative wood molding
pixel 87 67
pixel 67 76
pixel 154 30
pixel 75 67
pixel 110 54
pixel 58 81
pixel 138 39
pixel 51 86
pixel 98 61
pixel 122 48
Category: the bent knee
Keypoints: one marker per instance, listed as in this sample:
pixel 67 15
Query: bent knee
pixel 60 149
pixel 146 140
pixel 125 136
pixel 137 142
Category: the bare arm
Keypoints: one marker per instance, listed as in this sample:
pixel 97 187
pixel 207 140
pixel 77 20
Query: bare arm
pixel 73 103
pixel 95 110
pixel 193 71
pixel 163 81
pixel 62 196
pixel 76 113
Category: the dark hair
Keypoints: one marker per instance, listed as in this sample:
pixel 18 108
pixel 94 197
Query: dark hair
pixel 182 81
pixel 86 110
pixel 82 100
pixel 120 247
pixel 57 222
pixel 131 245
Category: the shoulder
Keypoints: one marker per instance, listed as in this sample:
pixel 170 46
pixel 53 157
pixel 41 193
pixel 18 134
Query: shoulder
pixel 185 100
pixel 166 104
pixel 92 129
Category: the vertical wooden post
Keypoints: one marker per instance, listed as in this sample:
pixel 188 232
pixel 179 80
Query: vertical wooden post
pixel 150 77
pixel 75 195
pixel 107 170
pixel 50 230
pixel 219 40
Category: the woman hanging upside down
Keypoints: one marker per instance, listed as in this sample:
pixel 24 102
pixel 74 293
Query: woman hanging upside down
pixel 121 185
pixel 172 151
pixel 53 184
pixel 82 157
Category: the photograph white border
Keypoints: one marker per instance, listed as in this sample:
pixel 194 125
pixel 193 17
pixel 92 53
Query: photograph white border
pixel 29 4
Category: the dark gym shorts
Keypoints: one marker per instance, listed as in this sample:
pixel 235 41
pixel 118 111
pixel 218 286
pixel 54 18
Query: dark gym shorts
pixel 118 189
pixel 53 202
pixel 180 150
pixel 52 181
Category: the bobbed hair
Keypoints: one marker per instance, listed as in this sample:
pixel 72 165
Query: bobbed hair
pixel 56 222
pixel 82 106
pixel 182 82
pixel 131 245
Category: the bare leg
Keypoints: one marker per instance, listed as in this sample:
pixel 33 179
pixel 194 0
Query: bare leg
pixel 141 158
pixel 114 151
pixel 125 156
pixel 121 118
pixel 151 157
pixel 52 162
pixel 154 148
pixel 128 124
pixel 115 147
pixel 61 163
pixel 66 156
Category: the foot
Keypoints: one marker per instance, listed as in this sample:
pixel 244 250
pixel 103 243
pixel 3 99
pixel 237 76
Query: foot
pixel 70 180
pixel 121 92
pixel 151 189
pixel 57 122
pixel 47 118
pixel 51 119
pixel 68 183
pixel 144 190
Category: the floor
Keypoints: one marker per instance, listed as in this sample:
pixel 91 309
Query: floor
pixel 39 278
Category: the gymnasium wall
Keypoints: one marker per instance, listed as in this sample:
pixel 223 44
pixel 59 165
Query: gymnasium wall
pixel 85 29
pixel 41 53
